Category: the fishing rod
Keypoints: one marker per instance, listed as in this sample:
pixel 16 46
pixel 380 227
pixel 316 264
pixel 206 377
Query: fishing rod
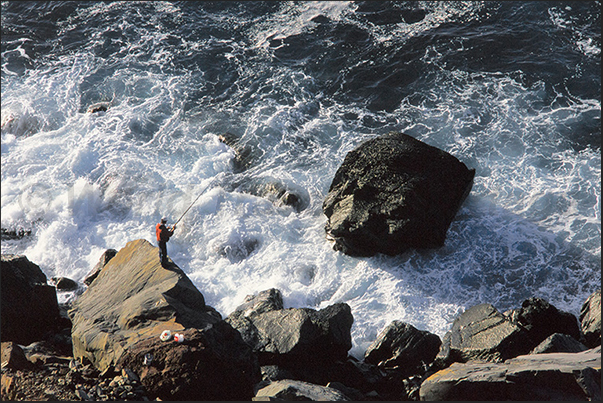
pixel 194 201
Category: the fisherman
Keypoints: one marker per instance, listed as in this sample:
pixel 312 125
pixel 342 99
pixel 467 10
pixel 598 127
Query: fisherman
pixel 163 235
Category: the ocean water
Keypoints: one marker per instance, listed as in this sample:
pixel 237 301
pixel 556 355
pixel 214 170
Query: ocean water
pixel 512 89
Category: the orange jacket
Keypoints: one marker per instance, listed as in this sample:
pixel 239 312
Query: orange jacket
pixel 163 234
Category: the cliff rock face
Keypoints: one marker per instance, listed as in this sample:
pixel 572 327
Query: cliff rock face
pixel 30 309
pixel 392 193
pixel 118 320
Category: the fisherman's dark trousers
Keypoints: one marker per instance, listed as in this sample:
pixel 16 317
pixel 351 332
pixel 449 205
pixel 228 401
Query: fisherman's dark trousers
pixel 162 252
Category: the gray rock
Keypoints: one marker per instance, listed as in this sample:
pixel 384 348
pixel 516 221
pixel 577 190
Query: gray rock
pixel 403 347
pixel 482 333
pixel 551 376
pixel 590 320
pixel 392 193
pixel 29 306
pixel 119 318
pixel 299 334
pixel 299 390
pixel 559 343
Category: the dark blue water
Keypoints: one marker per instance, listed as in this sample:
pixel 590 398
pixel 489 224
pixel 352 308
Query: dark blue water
pixel 512 89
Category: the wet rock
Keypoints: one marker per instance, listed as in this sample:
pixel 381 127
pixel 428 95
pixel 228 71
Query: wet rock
pixel 104 259
pixel 238 250
pixel 559 343
pixel 550 376
pixel 117 321
pixel 30 309
pixel 276 190
pixel 8 234
pixel 299 390
pixel 243 153
pixel 392 193
pixel 404 348
pixel 98 107
pixel 590 320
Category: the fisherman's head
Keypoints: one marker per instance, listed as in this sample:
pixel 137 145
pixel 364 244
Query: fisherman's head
pixel 164 220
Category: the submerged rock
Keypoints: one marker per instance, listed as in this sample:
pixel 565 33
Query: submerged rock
pixel 30 310
pixel 392 193
pixel 118 320
pixel 243 153
pixel 8 234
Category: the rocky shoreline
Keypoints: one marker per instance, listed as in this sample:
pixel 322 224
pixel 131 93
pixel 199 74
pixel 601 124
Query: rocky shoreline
pixel 111 344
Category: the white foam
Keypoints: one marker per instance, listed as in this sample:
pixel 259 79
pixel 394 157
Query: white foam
pixel 87 182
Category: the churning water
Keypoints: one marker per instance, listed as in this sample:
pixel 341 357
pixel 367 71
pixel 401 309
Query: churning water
pixel 512 89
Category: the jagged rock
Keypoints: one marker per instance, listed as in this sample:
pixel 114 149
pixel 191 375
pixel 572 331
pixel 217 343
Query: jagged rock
pixel 392 193
pixel 590 320
pixel 482 333
pixel 559 343
pixel 119 318
pixel 551 376
pixel 541 319
pixel 403 347
pixel 298 390
pixel 104 259
pixel 13 357
pixel 30 309
pixel 238 250
pixel 296 334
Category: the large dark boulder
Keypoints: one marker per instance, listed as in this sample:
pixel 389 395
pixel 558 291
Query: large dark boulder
pixel 392 193
pixel 294 335
pixel 404 348
pixel 590 320
pixel 30 310
pixel 552 376
pixel 118 320
pixel 541 319
pixel 482 333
